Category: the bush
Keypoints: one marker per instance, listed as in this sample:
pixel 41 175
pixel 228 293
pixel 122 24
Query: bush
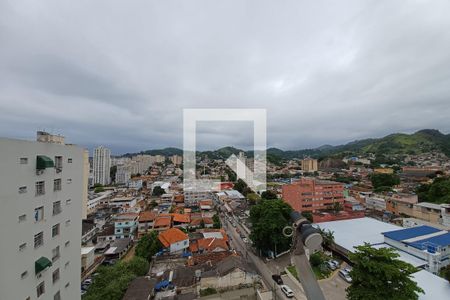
pixel 208 291
pixel 316 259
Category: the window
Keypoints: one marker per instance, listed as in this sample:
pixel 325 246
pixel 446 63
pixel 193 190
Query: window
pixel 22 246
pixel 40 188
pixel 67 244
pixel 55 254
pixel 40 289
pixel 57 296
pixel 55 230
pixel 39 214
pixel 55 275
pixel 38 239
pixel 24 275
pixel 69 160
pixel 67 284
pixel 67 223
pixel 69 180
pixel 23 160
pixel 57 184
pixel 56 208
pixel 66 265
pixel 58 163
pixel 22 218
pixel 68 201
pixel 22 190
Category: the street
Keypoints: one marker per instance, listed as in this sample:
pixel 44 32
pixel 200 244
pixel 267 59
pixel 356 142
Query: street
pixel 263 270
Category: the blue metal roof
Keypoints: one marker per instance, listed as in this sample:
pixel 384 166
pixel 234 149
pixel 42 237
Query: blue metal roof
pixel 404 234
pixel 442 240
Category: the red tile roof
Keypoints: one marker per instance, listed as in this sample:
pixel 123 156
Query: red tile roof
pixel 146 216
pixel 181 218
pixel 171 236
pixel 162 221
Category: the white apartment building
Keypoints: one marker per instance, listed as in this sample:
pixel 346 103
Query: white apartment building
pixel 102 163
pixel 123 174
pixel 41 197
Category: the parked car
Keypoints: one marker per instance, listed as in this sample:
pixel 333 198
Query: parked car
pixel 277 279
pixel 331 265
pixel 345 275
pixel 336 263
pixel 87 281
pixel 287 291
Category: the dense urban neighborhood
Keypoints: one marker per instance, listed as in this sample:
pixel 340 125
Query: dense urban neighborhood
pixel 144 236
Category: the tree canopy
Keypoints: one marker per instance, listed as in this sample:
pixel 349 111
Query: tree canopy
pixel 148 246
pixel 437 192
pixel 383 181
pixel 268 218
pixel 377 274
pixel 112 282
pixel 158 191
pixel 269 195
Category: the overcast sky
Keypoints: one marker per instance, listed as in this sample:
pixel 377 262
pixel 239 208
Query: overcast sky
pixel 120 73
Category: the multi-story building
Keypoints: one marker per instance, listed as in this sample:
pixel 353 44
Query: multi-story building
pixel 176 159
pixel 192 198
pixel 123 175
pixel 102 163
pixel 125 225
pixel 309 165
pixel 41 195
pixel 310 194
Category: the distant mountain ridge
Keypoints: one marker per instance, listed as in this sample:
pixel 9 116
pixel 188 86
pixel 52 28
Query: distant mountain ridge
pixel 422 141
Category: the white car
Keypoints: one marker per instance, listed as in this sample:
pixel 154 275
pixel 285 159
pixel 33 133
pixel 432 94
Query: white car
pixel 287 291
pixel 331 265
pixel 344 275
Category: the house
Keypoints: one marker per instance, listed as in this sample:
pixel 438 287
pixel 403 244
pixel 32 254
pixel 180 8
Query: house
pixel 87 257
pixel 106 234
pixel 122 201
pixel 206 204
pixel 125 225
pixel 180 220
pixel 231 272
pixel 118 248
pixel 145 222
pixel 141 288
pixel 208 245
pixel 162 222
pixel 174 239
pixel 205 221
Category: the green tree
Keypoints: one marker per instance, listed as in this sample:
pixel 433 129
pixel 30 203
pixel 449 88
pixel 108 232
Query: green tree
pixel 268 218
pixel 308 216
pixel 337 207
pixel 381 180
pixel 328 238
pixel 316 259
pixel 99 189
pixel 445 272
pixel 240 185
pixel 253 198
pixel 112 173
pixel 216 221
pixel 148 246
pixel 269 195
pixel 378 274
pixel 158 191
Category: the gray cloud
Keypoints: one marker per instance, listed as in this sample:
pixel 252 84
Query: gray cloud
pixel 120 73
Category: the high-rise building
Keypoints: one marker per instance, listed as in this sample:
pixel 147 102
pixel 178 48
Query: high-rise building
pixel 176 159
pixel 41 192
pixel 102 163
pixel 309 194
pixel 309 165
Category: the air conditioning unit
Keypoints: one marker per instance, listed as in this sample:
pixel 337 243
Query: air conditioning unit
pixel 39 172
pixel 39 275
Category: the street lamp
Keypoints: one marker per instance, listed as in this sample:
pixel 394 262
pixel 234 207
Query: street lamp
pixel 304 236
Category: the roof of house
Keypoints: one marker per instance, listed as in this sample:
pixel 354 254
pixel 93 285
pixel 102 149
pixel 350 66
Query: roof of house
pixel 210 244
pixel 140 288
pixel 181 218
pixel 162 221
pixel 404 234
pixel 434 286
pixel 442 240
pixel 126 216
pixel 171 236
pixel 147 216
pixel 227 265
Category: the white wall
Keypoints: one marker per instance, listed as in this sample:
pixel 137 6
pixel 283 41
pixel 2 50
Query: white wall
pixel 13 233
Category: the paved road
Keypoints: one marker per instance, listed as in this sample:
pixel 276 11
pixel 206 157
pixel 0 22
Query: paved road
pixel 263 270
